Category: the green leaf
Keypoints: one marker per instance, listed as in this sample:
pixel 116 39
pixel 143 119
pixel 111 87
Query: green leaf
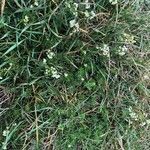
pixel 12 48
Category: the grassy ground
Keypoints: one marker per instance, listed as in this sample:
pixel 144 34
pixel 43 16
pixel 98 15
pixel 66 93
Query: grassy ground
pixel 78 74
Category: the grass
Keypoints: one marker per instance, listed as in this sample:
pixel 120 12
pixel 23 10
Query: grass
pixel 78 75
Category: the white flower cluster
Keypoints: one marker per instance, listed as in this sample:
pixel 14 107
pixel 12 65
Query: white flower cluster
pixel 132 114
pixel 6 132
pixel 74 23
pixel 142 117
pixel 35 4
pixel 44 61
pixel 66 74
pixel 85 65
pixel 55 73
pixel 75 12
pixel 50 54
pixel 51 70
pixel 73 8
pixel 82 79
pixel 122 50
pixel 146 76
pixel 26 19
pixel 129 39
pixel 113 2
pixel 84 52
pixel 105 49
pixel 87 4
pixel 90 14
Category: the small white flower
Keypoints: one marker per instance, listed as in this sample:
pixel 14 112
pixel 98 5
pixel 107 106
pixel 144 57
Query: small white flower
pixel 68 4
pixel 82 79
pixel 106 47
pixel 57 76
pixel 75 13
pixel 53 69
pixel 72 23
pixel 76 5
pixel 47 71
pixel 1 78
pixel 77 26
pixel 113 2
pixel 145 114
pixel 121 53
pixel 50 54
pixel 36 3
pixel 44 61
pixel 97 47
pixel 31 6
pixel 106 50
pixel 85 65
pixel 106 53
pixel 92 14
pixel 146 77
pixel 87 14
pixel 129 38
pixel 66 74
pixel 55 73
pixel 14 124
pixel 122 50
pixel 26 19
pixel 84 52
pixel 148 121
pixel 132 114
pixel 130 109
pixel 69 146
pixel 5 132
pixel 87 5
